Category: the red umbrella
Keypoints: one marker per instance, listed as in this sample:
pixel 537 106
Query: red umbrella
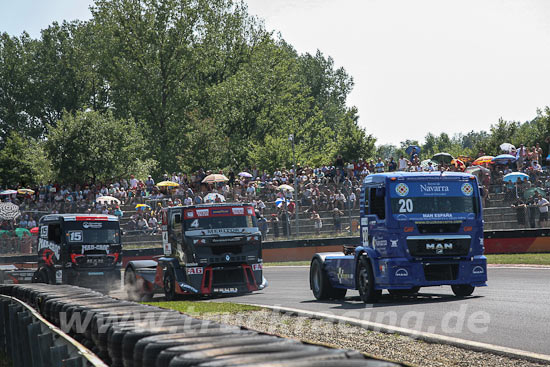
pixel 34 230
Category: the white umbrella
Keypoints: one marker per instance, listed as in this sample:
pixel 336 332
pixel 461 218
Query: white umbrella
pixel 212 197
pixel 424 164
pixel 285 187
pixel 245 174
pixel 507 147
pixel 107 200
pixel 8 192
pixel 9 211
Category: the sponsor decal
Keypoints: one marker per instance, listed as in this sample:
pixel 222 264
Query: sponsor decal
pixel 402 189
pixel 95 247
pixel 467 189
pixel 75 236
pixel 93 225
pixel 238 211
pixel 394 243
pixel 189 214
pixel 227 257
pixel 431 188
pixel 380 243
pixel 52 246
pixel 202 212
pixel 250 211
pixel 437 215
pixel 194 270
pixel 44 232
pixel 365 235
pixel 227 239
pixel 220 211
pixel 59 276
pixel 343 276
pixel 225 290
pixel 364 221
pixel 401 272
pixel 478 270
pixel 257 267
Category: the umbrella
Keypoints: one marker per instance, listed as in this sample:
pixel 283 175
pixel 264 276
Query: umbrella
pixel 504 159
pixel 8 192
pixel 168 184
pixel 514 176
pixel 139 206
pixel 285 187
pixel 483 160
pixel 410 149
pixel 107 200
pixel 442 158
pixel 34 230
pixel 279 202
pixel 212 197
pixel 507 147
pixel 215 177
pixel 532 191
pixel 20 232
pixel 9 211
pixel 25 191
pixel 458 163
pixel 424 164
pixel 478 171
pixel 464 158
pixel 245 174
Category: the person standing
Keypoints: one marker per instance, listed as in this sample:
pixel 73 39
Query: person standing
pixel 317 222
pixel 337 219
pixel 543 204
pixel 275 225
pixel 263 226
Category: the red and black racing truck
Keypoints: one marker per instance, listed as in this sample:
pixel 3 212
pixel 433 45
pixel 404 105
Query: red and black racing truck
pixel 77 249
pixel 209 249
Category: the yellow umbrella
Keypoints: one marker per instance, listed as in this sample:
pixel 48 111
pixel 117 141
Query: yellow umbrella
pixel 167 184
pixel 215 177
pixel 25 191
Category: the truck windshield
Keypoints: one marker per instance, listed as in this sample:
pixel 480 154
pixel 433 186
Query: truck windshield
pixel 76 233
pixel 225 222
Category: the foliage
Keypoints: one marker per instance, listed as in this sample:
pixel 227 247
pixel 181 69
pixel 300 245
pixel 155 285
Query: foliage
pixel 94 146
pixel 199 308
pixel 23 161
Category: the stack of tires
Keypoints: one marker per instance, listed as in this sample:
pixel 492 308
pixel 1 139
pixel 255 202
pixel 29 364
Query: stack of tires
pixel 124 333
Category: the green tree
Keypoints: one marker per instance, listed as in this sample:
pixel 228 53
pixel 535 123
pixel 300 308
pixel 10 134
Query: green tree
pixel 94 146
pixel 23 161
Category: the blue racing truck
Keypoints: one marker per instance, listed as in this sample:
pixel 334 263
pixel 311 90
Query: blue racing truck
pixel 417 229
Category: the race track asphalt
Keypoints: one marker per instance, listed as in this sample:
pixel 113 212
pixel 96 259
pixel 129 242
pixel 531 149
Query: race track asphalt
pixel 513 311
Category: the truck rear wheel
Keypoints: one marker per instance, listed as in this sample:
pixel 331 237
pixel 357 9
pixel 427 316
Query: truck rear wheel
pixel 462 290
pixel 320 284
pixel 169 285
pixel 365 279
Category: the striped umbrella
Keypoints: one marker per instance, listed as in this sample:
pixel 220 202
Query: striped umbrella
pixel 9 211
pixel 483 160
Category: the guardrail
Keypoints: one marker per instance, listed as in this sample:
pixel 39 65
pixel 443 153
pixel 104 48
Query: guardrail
pixel 31 341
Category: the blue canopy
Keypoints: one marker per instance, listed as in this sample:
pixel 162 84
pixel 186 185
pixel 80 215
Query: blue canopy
pixel 410 148
pixel 504 159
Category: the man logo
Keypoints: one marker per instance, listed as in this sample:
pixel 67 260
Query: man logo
pixel 439 247
pixel 401 272
pixel 478 270
pixel 394 243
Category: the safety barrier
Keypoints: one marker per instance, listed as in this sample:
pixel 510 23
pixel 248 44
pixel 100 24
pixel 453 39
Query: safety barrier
pixel 128 334
pixel 29 340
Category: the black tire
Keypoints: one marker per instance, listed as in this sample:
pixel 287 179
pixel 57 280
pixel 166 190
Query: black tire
pixel 365 281
pixel 320 284
pixel 41 276
pixel 404 292
pixel 169 284
pixel 463 290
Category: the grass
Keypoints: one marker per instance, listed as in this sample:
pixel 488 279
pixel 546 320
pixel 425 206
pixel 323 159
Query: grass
pixel 199 308
pixel 531 259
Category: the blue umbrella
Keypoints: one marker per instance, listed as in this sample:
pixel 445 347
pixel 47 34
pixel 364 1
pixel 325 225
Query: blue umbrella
pixel 514 176
pixel 504 159
pixel 410 148
pixel 279 202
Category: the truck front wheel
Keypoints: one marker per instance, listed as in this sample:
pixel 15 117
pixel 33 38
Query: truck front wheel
pixel 169 285
pixel 365 280
pixel 462 290
pixel 320 284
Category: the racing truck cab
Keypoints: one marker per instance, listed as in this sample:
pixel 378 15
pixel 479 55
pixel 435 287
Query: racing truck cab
pixel 78 249
pixel 416 230
pixel 208 249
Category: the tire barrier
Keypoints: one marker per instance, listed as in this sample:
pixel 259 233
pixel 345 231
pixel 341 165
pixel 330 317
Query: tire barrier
pixel 129 334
